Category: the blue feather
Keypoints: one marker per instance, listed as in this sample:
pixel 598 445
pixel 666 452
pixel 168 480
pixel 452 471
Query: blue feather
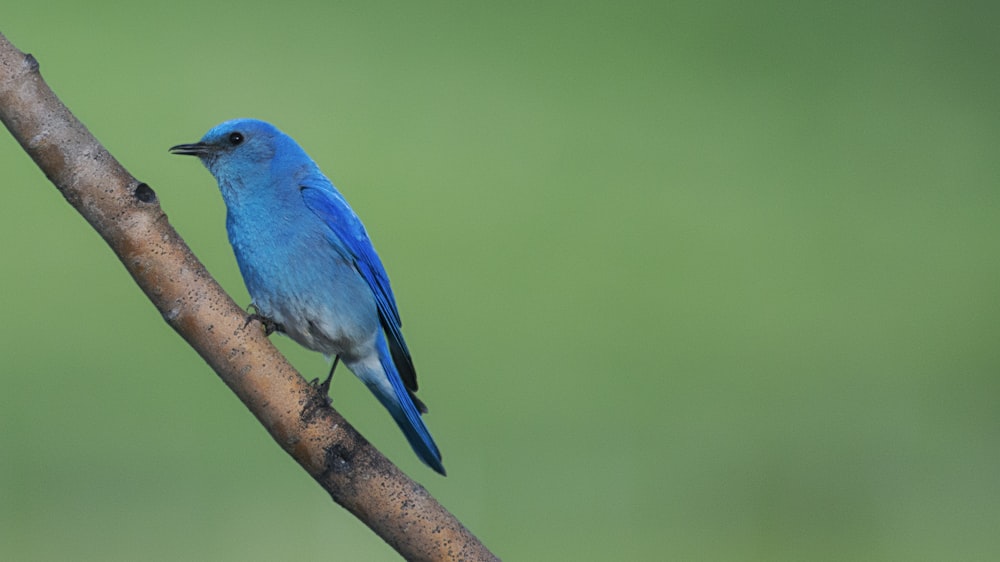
pixel 322 198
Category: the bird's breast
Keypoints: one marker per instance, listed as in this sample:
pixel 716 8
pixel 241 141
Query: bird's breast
pixel 296 277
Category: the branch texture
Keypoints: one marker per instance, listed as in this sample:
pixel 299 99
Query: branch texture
pixel 126 213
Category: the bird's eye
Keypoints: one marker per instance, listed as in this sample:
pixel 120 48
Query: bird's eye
pixel 235 138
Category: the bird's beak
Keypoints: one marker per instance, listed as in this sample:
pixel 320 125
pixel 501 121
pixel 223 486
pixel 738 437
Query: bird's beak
pixel 195 149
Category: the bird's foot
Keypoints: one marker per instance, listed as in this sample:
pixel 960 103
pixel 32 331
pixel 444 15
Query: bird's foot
pixel 270 326
pixel 323 388
pixel 321 392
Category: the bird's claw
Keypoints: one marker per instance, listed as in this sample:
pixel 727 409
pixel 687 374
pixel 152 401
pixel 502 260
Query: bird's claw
pixel 323 390
pixel 270 326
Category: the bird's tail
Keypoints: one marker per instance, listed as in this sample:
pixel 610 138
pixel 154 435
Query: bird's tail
pixel 395 397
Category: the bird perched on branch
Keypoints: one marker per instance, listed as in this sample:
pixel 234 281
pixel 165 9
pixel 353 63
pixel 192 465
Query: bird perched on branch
pixel 309 265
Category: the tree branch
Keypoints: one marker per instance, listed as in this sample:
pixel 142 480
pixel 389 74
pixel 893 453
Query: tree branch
pixel 128 216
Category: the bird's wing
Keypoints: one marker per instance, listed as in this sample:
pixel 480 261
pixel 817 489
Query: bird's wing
pixel 330 206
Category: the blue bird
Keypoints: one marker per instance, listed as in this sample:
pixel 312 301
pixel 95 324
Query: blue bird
pixel 309 265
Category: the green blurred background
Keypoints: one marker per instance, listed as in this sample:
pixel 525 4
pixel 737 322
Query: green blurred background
pixel 694 281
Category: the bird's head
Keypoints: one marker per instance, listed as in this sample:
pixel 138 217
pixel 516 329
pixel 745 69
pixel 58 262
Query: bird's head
pixel 236 148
